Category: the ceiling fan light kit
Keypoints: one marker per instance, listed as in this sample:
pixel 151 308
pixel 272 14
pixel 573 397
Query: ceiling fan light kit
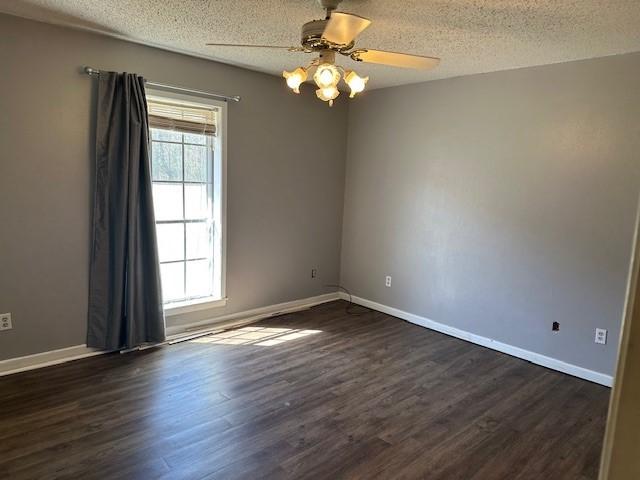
pixel 337 34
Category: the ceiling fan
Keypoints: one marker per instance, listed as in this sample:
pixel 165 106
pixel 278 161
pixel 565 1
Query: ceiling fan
pixel 337 34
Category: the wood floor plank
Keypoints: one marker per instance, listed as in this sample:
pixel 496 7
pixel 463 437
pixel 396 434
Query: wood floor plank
pixel 313 394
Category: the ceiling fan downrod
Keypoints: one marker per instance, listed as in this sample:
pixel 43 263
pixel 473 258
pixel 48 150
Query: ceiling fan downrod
pixel 329 6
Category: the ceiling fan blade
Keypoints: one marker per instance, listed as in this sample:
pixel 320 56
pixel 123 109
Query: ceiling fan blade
pixel 291 49
pixel 394 59
pixel 343 28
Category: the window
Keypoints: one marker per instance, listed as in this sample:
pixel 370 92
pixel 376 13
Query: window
pixel 187 175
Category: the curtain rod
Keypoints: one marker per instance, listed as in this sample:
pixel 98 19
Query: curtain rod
pixel 235 98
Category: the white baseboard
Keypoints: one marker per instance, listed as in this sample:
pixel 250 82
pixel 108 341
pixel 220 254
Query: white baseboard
pixel 46 359
pixel 54 357
pixel 62 355
pixel 250 316
pixel 533 357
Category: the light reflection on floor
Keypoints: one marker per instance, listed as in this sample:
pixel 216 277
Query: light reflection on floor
pixel 261 336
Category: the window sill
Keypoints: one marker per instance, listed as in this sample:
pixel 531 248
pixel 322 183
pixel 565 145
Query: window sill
pixel 178 308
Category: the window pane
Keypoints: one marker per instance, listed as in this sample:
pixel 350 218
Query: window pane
pixel 172 281
pixel 195 163
pixel 170 241
pixel 196 200
pixel 167 200
pixel 166 161
pixel 185 212
pixel 199 240
pixel 199 278
pixel 165 135
pixel 195 138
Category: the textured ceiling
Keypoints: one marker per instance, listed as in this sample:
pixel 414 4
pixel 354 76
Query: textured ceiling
pixel 471 36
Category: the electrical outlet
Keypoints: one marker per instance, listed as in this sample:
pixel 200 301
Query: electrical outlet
pixel 601 336
pixel 555 326
pixel 5 321
pixel 387 281
pixel 314 273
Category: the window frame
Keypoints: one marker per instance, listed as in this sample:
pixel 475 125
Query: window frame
pixel 219 187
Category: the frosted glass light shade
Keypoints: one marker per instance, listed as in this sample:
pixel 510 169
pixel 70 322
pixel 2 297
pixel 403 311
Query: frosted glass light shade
pixel 295 78
pixel 356 83
pixel 327 94
pixel 327 75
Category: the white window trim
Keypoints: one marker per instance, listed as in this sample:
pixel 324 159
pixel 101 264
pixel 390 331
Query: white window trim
pixel 178 308
pixel 195 305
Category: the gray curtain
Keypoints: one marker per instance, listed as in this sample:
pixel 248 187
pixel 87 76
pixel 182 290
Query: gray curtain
pixel 125 298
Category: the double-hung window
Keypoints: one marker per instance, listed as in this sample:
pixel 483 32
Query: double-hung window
pixel 187 168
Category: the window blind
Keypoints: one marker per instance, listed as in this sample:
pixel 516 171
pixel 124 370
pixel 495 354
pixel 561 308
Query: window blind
pixel 182 118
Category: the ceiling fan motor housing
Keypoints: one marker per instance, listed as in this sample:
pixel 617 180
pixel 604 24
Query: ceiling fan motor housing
pixel 312 37
pixel 312 31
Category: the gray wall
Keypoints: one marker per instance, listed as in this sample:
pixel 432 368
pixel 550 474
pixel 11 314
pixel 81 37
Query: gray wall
pixel 500 203
pixel 285 196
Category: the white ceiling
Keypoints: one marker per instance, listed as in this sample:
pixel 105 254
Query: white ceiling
pixel 471 36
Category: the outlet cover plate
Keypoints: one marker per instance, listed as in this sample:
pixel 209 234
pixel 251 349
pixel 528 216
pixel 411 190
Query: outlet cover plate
pixel 5 321
pixel 601 336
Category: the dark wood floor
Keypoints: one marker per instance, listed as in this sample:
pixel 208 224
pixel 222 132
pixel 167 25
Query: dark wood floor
pixel 332 396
